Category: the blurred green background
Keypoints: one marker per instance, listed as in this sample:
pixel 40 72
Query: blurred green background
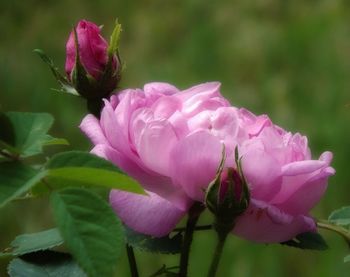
pixel 289 59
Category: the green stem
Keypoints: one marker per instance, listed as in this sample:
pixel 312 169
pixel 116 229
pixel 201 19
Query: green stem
pixel 46 183
pixel 344 233
pixel 94 106
pixel 193 216
pixel 217 254
pixel 26 197
pixel 8 155
pixel 164 270
pixel 197 228
pixel 132 261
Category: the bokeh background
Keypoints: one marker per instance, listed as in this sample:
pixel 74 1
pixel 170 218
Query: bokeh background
pixel 289 59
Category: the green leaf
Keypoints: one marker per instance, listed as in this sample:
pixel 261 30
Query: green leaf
pixel 28 243
pixel 80 159
pixel 30 131
pixel 60 265
pixel 90 229
pixel 164 245
pixel 341 216
pixel 49 140
pixel 41 188
pixel 85 176
pixel 77 168
pixel 347 259
pixel 16 179
pixel 309 240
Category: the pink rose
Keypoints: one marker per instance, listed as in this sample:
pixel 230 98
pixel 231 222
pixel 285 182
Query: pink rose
pixel 171 142
pixel 285 184
pixel 92 49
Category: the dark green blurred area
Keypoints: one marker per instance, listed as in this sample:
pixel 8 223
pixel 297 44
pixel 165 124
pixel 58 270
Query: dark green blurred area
pixel 289 59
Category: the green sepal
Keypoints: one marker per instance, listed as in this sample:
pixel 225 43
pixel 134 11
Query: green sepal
pixel 228 207
pixel 114 40
pixel 94 90
pixel 245 195
pixel 65 84
pixel 83 82
pixel 213 191
pixel 112 74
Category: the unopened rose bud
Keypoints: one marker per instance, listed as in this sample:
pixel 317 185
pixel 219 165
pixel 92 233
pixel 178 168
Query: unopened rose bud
pixel 227 197
pixel 92 65
pixel 92 50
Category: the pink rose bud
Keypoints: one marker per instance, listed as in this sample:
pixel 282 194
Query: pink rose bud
pixel 171 142
pixel 92 49
pixel 227 197
pixel 93 67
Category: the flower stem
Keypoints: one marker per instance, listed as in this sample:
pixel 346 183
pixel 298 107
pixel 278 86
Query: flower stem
pixel 197 228
pixel 132 261
pixel 95 106
pixel 193 216
pixel 217 254
pixel 26 197
pixel 8 155
pixel 344 233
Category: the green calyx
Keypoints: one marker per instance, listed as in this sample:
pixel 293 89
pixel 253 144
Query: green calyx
pixel 89 87
pixel 227 196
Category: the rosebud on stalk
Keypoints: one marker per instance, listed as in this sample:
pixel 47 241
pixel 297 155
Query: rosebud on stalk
pixel 227 196
pixel 93 66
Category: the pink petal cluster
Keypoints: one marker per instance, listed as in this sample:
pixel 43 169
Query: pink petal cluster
pixel 171 142
pixel 92 49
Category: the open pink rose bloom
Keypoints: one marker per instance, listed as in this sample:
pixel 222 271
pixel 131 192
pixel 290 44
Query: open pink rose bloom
pixel 170 141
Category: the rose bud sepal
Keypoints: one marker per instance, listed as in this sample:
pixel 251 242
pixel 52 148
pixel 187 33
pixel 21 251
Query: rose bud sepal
pixel 111 75
pixel 95 89
pixel 66 85
pixel 227 196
